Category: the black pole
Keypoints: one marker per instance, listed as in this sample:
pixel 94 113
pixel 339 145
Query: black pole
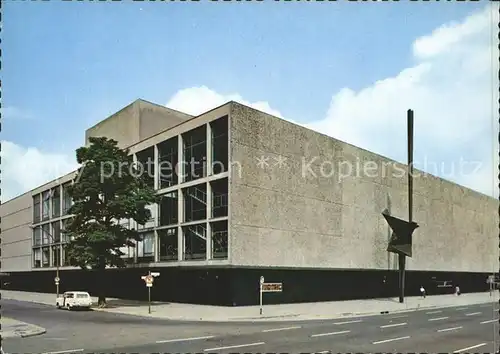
pixel 402 257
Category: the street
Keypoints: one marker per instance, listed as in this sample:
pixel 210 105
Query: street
pixel 471 328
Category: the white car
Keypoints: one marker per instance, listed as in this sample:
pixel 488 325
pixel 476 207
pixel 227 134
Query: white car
pixel 74 299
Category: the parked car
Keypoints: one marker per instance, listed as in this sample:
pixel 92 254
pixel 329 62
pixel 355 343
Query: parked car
pixel 73 300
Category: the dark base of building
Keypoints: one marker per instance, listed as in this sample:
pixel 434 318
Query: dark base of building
pixel 240 286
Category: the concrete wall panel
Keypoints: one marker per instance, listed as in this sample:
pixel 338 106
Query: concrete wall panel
pixel 274 205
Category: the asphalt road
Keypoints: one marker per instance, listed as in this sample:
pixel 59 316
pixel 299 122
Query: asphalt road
pixel 461 329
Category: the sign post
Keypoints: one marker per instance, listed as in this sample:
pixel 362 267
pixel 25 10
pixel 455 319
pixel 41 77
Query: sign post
pixel 260 292
pixel 149 279
pixel 268 288
pixel 56 281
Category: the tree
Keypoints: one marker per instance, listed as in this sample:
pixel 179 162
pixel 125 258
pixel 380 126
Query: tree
pixel 107 188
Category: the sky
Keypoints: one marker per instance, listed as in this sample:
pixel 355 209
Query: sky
pixel 344 69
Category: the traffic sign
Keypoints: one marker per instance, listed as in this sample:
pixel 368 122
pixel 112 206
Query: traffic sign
pixel 155 274
pixel 56 279
pixel 272 287
pixel 262 280
pixel 148 279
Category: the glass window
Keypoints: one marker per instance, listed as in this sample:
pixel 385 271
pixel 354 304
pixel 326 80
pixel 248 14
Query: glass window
pixel 146 165
pixel 66 199
pixel 37 258
pixel 167 163
pixel 37 236
pixel 220 151
pixel 195 203
pixel 46 236
pixel 153 209
pixel 219 239
pixel 56 231
pixel 169 209
pixel 45 205
pixel 195 242
pixel 195 153
pixel 36 208
pixel 56 202
pixel 168 244
pixel 145 248
pixel 56 256
pixel 45 257
pixel 219 198
pixel 149 244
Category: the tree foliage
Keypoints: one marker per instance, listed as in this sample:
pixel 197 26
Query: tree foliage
pixel 107 188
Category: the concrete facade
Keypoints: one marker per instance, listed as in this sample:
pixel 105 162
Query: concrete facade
pixel 296 199
pixel 137 122
pixel 314 211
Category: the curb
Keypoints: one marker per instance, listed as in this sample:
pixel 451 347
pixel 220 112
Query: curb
pixel 24 334
pixel 33 333
pixel 279 318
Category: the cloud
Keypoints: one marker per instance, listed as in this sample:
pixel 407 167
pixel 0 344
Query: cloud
pixel 196 100
pixel 451 89
pixel 24 169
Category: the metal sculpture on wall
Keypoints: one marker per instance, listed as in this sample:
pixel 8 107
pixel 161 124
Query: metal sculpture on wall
pixel 400 242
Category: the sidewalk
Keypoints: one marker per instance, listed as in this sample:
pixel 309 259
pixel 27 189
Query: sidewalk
pixel 285 312
pixel 14 328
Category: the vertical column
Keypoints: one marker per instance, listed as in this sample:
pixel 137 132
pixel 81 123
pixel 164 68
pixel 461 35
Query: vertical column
pixel 156 168
pixel 133 224
pixel 180 244
pixel 209 163
pixel 156 247
pixel 50 205
pixel 209 216
pixel 61 200
pixel 229 182
pixel 180 160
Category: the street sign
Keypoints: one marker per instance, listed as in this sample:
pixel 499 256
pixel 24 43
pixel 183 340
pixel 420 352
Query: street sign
pixel 272 287
pixel 148 279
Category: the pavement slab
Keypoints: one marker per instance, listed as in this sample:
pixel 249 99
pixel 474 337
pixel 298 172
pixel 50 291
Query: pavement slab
pixel 283 312
pixel 14 328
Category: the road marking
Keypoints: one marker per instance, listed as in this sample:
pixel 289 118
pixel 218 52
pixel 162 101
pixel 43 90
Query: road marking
pixel 430 313
pixel 398 316
pixel 489 321
pixel 462 308
pixel 473 313
pixel 324 352
pixel 449 329
pixel 347 322
pixel 234 346
pixel 182 339
pixel 487 305
pixel 390 340
pixel 438 318
pixel 66 351
pixel 394 325
pixel 328 334
pixel 280 329
pixel 473 347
